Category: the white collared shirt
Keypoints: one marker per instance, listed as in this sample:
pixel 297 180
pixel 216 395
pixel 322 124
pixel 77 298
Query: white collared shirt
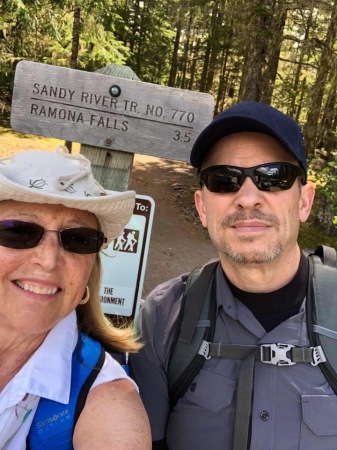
pixel 46 374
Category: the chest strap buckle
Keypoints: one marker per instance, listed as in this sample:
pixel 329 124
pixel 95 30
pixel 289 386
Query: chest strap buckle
pixel 276 354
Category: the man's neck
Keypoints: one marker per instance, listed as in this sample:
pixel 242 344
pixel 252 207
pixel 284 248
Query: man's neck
pixel 272 308
pixel 263 277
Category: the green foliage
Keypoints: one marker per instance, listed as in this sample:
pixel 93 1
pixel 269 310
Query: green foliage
pixel 42 31
pixel 311 235
pixel 99 47
pixel 325 179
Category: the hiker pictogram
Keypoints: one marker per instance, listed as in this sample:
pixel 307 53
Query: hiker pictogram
pixel 127 241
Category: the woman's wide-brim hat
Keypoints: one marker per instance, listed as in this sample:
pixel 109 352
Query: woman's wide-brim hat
pixel 58 177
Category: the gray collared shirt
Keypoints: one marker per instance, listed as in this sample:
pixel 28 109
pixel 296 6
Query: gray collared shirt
pixel 293 408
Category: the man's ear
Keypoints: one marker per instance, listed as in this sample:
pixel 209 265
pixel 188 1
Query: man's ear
pixel 306 201
pixel 200 206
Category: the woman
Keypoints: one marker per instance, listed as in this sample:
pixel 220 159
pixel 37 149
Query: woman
pixel 54 219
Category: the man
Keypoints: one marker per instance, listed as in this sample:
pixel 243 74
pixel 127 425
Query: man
pixel 253 196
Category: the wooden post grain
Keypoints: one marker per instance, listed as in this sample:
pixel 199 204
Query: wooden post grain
pixel 112 168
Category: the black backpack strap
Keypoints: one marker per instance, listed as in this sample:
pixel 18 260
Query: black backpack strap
pixel 196 323
pixel 322 308
pixel 328 255
pixel 196 291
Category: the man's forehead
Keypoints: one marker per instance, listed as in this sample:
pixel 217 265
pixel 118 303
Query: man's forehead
pixel 246 146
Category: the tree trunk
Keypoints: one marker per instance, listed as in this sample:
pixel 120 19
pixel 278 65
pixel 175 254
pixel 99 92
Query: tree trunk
pixel 186 53
pixel 202 85
pixel 194 64
pixel 75 38
pixel 298 86
pixel 274 49
pixel 259 31
pixel 221 89
pixel 326 137
pixel 74 50
pixel 317 92
pixel 215 39
pixel 174 59
pixel 134 26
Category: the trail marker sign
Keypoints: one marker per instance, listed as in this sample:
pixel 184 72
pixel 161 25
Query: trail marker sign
pixel 108 112
pixel 124 262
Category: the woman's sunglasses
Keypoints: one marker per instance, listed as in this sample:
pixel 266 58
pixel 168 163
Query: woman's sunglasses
pixel 270 177
pixel 22 235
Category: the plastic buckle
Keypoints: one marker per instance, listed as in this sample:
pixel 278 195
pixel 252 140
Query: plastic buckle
pixel 204 350
pixel 276 354
pixel 318 356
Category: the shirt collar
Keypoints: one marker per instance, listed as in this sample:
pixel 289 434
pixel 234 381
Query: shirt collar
pixel 53 380
pixel 224 296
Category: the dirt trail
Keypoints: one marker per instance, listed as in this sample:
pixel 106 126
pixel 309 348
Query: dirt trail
pixel 178 241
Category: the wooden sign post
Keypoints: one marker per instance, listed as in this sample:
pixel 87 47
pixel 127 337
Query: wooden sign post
pixel 112 168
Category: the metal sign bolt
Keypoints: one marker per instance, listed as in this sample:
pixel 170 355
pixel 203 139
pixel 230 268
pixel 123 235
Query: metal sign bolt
pixel 115 91
pixel 108 141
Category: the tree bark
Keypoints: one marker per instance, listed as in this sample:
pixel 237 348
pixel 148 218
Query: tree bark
pixel 317 92
pixel 74 50
pixel 259 29
pixel 174 59
pixel 274 49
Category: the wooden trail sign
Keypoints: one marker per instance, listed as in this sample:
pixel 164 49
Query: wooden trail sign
pixel 108 112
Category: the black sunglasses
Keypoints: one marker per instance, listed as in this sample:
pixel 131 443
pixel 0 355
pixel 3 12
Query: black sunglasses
pixel 270 177
pixel 22 235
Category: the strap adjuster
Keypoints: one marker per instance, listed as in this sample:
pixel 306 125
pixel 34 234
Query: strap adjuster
pixel 204 350
pixel 318 356
pixel 276 354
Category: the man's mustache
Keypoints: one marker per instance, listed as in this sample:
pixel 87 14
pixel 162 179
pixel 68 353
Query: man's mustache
pixel 240 216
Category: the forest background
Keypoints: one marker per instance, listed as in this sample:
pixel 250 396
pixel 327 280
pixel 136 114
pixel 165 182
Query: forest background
pixel 275 51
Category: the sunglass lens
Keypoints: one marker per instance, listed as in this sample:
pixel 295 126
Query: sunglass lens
pixel 275 177
pixel 82 240
pixel 19 234
pixel 223 180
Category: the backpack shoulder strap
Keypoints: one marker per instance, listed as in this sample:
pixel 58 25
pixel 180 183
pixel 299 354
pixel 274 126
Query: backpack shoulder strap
pixel 196 323
pixel 328 255
pixel 322 308
pixel 54 422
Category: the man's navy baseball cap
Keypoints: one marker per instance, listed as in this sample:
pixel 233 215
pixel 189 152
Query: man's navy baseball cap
pixel 251 116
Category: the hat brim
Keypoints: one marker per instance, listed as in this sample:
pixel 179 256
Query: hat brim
pixel 229 125
pixel 113 211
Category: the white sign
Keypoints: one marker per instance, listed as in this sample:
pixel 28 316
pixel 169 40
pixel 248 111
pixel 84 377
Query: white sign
pixel 108 112
pixel 124 262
